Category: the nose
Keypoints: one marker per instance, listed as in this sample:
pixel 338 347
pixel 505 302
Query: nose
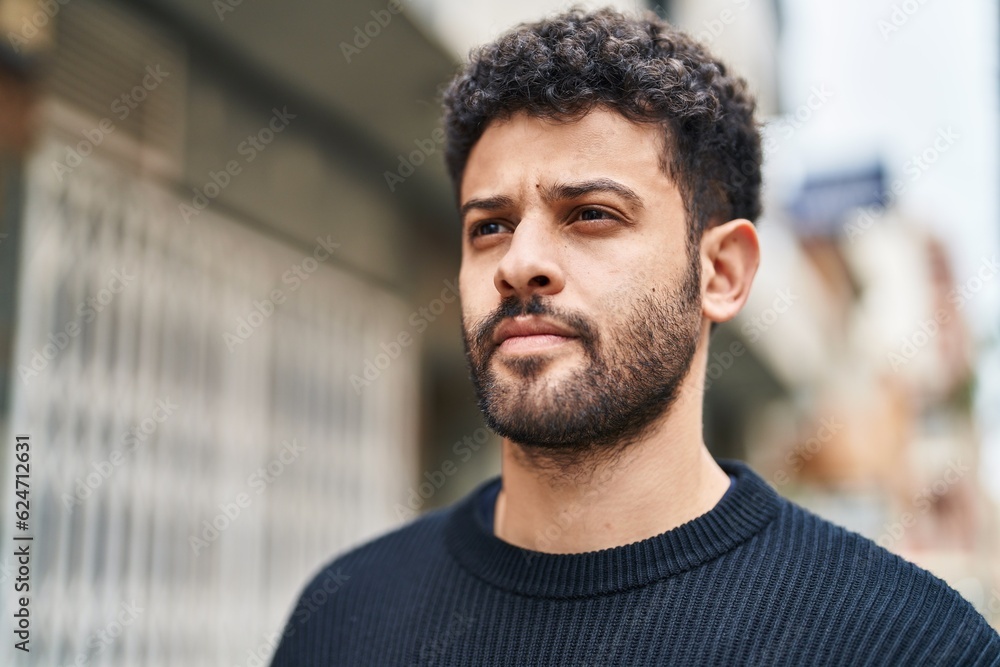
pixel 531 264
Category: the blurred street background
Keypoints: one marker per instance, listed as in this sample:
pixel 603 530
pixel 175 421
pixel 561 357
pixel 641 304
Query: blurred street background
pixel 228 306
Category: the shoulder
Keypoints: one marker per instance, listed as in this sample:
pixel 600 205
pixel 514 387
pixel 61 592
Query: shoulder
pixel 350 589
pixel 818 542
pixel 875 599
pixel 394 555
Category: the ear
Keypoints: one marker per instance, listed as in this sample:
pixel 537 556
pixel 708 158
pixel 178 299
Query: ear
pixel 730 254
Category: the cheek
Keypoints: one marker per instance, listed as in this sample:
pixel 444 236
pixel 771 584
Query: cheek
pixel 621 288
pixel 469 279
pixel 476 270
pixel 478 294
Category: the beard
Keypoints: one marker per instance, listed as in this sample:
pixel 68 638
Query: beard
pixel 632 374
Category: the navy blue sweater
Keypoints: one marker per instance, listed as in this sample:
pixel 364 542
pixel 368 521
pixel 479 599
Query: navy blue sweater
pixel 757 580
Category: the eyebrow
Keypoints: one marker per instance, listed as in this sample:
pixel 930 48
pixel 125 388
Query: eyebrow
pixel 494 203
pixel 580 188
pixel 559 191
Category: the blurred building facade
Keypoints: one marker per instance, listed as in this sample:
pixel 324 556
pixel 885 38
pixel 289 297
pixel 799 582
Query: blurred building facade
pixel 207 282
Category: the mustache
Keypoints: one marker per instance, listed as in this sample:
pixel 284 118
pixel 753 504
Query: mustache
pixel 513 306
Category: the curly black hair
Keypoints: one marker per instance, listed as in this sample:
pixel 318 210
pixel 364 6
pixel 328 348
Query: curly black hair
pixel 644 68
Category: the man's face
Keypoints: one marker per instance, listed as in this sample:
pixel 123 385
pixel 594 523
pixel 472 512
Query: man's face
pixel 581 303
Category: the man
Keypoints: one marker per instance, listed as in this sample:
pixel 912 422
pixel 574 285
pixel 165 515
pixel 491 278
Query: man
pixel 608 173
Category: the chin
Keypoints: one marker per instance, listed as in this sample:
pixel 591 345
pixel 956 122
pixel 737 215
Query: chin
pixel 543 365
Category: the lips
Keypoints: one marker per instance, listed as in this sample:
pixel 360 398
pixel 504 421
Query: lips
pixel 530 333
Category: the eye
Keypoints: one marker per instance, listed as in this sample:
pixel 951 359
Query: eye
pixel 593 214
pixel 486 228
pixel 596 214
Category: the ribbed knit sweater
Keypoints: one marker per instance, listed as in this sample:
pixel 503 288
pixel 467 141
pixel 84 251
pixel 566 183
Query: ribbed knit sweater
pixel 757 580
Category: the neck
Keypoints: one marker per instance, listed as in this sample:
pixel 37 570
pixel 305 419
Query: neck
pixel 661 481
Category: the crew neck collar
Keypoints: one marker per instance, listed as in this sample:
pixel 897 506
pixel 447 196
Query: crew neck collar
pixel 740 514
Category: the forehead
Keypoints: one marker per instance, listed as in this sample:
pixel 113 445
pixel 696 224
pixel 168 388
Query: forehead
pixel 523 152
